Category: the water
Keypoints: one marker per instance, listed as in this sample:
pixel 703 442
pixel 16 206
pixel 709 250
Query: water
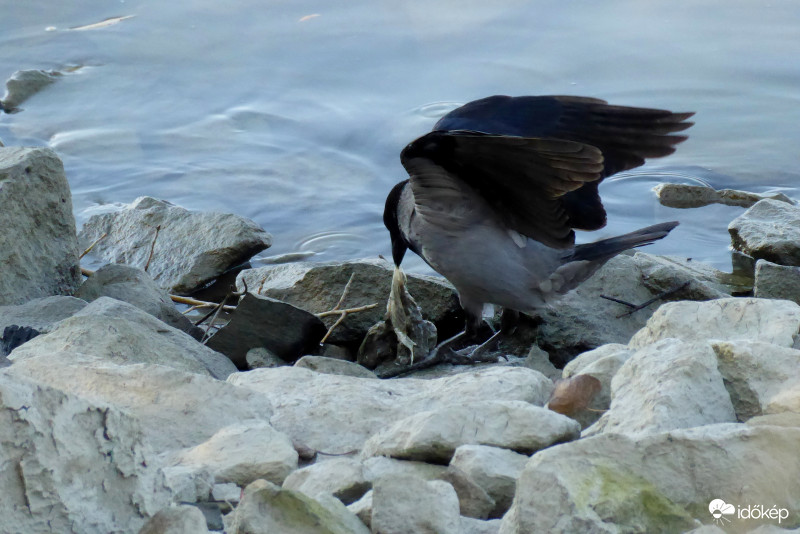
pixel 294 113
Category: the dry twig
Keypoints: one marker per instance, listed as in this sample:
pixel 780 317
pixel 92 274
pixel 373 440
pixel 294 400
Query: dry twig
pixel 96 241
pixel 342 313
pixel 152 248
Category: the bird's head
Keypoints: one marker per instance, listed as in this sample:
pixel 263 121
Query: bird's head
pixel 390 220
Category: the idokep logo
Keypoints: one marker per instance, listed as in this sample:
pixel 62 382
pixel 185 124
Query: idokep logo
pixel 719 509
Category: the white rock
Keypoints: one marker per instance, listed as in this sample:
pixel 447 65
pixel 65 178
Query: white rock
pixel 187 484
pixel 362 508
pixel 35 202
pixel 136 287
pixel 181 249
pixel 773 281
pixel 226 492
pixel 770 230
pixel 656 483
pixel 267 509
pixel 771 321
pixel 408 505
pixel 332 366
pixel 72 466
pixel 122 333
pixel 494 469
pixel 337 414
pixel 341 477
pixel 242 453
pixel 381 466
pixel 434 435
pixel 176 520
pixel 667 385
pixel 757 374
pixel 176 409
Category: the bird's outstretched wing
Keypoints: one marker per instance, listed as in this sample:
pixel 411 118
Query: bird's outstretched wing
pixel 626 136
pixel 457 175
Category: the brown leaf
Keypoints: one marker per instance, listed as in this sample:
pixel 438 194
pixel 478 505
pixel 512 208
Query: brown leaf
pixel 574 394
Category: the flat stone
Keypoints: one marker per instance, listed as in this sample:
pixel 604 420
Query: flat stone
pixel 434 435
pixel 668 385
pixel 405 504
pixel 122 333
pixel 285 330
pixel 770 230
pixel 333 366
pixel 35 202
pixel 771 321
pixel 242 453
pixel 180 249
pixel 337 414
pixel 46 437
pixel 660 482
pixel 695 196
pixel 176 409
pixel 775 281
pixel 318 287
pixel 136 287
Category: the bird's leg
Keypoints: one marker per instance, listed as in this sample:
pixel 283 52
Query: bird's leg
pixel 508 323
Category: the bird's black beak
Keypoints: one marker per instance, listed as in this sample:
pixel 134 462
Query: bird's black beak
pixel 398 249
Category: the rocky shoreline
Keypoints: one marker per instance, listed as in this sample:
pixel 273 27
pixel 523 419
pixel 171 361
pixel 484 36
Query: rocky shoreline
pixel 119 414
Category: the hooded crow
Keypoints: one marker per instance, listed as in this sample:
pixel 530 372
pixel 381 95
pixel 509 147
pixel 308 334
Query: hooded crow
pixel 498 188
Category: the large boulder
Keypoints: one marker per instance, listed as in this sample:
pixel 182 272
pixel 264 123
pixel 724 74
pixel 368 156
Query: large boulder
pixel 318 287
pixel 176 520
pixel 405 504
pixel 122 333
pixel 667 385
pixel 180 249
pixel 775 281
pixel 134 286
pixel 40 255
pixel 336 414
pixel 68 465
pixel 663 482
pixel 770 230
pixel 176 409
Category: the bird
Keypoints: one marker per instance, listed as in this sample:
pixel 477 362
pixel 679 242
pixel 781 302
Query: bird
pixel 498 187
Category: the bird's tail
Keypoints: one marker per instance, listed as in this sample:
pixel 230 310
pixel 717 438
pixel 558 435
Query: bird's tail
pixel 608 248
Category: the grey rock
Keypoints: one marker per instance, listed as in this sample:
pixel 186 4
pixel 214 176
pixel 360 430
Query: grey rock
pixel 341 477
pixel 494 469
pixel 242 453
pixel 176 409
pixel 473 500
pixel 226 492
pixel 286 330
pixel 122 333
pixel 40 314
pixel 405 504
pixel 664 273
pixel 539 360
pixel 362 508
pixel 771 321
pixel 770 230
pixel 23 84
pixel 317 287
pixel 383 466
pixel 664 386
pixel 46 437
pixel 176 520
pixel 332 366
pixel 759 376
pixel 742 264
pixel 187 484
pixel 695 196
pixel 35 202
pixel 134 286
pixel 188 248
pixel 12 337
pixel 775 281
pixel 266 509
pixel 337 414
pixel 655 483
pixel 788 419
pixel 434 435
pixel 263 357
pixel 477 526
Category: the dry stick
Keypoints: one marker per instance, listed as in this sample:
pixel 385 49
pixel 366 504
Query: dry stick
pixel 342 313
pixel 217 311
pixel 636 307
pixel 96 241
pixel 198 303
pixel 152 248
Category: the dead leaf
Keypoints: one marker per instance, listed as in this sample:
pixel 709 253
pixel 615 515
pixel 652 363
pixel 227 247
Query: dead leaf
pixel 309 17
pixel 572 395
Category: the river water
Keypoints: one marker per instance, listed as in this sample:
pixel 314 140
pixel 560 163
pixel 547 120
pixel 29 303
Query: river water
pixel 294 113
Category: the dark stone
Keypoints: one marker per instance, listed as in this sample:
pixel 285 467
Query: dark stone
pixel 13 337
pixel 287 331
